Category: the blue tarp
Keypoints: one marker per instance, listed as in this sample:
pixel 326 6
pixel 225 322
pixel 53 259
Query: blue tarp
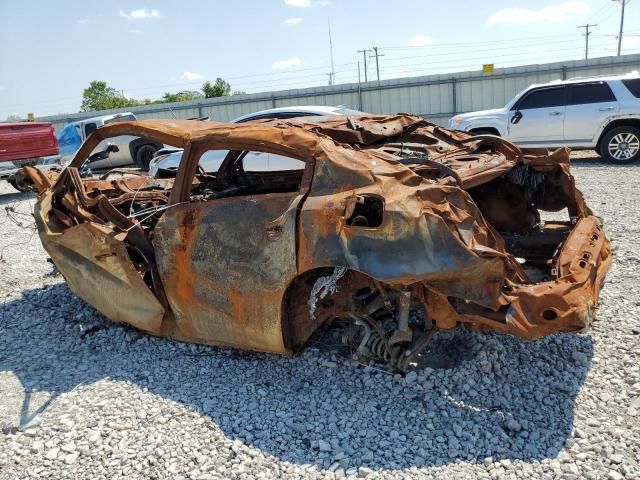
pixel 69 140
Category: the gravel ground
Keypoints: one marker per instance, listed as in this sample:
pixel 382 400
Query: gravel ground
pixel 81 398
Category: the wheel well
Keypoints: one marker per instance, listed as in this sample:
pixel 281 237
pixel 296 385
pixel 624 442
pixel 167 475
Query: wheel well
pixel 306 307
pixel 494 131
pixel 624 122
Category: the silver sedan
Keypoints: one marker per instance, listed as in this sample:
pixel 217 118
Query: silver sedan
pixel 166 161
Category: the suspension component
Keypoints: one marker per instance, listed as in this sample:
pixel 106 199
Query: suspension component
pixel 362 348
pixel 403 333
pixel 377 345
pixel 374 342
pixel 412 352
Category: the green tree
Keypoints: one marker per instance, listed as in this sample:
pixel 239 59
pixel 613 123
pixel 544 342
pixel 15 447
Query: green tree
pixel 218 89
pixel 99 96
pixel 181 96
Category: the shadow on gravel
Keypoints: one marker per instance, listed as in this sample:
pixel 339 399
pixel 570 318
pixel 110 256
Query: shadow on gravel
pixel 8 198
pixel 499 397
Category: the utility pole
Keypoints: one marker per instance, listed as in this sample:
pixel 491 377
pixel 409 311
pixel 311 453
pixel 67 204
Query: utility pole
pixel 359 90
pixel 375 49
pixel 623 3
pixel 587 32
pixel 332 77
pixel 364 56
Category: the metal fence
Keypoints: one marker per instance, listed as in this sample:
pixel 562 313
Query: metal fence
pixel 435 97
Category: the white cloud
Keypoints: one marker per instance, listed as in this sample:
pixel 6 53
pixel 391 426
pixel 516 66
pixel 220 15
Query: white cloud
pixel 82 21
pixel 324 3
pixel 420 41
pixel 551 13
pixel 190 76
pixel 298 3
pixel 282 64
pixel 140 14
pixel 293 21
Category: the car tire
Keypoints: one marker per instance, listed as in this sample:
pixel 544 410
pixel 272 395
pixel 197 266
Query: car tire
pixel 612 146
pixel 18 186
pixel 144 154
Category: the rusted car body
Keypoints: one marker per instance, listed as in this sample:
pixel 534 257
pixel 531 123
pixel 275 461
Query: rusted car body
pixel 388 215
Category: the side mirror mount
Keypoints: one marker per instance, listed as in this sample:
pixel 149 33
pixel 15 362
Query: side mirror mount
pixel 103 154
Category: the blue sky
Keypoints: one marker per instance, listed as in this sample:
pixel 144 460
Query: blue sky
pixel 51 50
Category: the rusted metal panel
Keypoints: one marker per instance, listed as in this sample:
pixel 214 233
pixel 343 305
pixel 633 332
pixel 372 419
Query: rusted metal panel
pixel 225 266
pixel 417 241
pixel 95 264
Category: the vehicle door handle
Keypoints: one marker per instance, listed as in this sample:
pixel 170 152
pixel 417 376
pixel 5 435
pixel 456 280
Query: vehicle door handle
pixel 517 116
pixel 555 113
pixel 274 232
pixel 605 109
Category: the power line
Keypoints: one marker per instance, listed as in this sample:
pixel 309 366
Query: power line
pixel 463 44
pixel 444 65
pixel 497 49
pixel 317 75
pixel 293 77
pixel 597 15
pixel 566 52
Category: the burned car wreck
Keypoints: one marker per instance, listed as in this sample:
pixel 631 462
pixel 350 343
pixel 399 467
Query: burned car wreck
pixel 351 221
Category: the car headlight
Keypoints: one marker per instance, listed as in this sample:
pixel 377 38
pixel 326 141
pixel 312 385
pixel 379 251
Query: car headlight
pixel 156 160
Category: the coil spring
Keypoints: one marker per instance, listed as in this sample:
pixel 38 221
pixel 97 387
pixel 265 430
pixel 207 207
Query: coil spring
pixel 378 346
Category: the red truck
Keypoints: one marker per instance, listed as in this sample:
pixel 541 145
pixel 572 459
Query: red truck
pixel 24 143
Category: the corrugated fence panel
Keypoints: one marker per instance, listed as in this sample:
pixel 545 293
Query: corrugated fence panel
pixel 431 96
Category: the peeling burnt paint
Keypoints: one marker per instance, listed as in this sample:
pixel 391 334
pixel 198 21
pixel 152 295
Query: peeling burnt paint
pixel 389 213
pixel 324 286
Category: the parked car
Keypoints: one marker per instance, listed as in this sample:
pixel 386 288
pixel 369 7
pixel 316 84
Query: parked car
pixel 601 113
pixel 132 150
pixel 166 161
pixel 24 143
pixel 387 228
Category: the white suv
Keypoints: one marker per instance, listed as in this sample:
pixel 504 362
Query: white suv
pixel 600 113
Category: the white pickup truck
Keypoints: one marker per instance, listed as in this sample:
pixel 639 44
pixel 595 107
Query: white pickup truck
pixel 131 150
pixel 597 113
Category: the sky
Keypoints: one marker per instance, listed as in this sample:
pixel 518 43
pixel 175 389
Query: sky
pixel 51 50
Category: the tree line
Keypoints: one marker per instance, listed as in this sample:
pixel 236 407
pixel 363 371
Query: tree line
pixel 100 96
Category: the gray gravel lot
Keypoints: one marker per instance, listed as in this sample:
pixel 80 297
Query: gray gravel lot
pixel 82 398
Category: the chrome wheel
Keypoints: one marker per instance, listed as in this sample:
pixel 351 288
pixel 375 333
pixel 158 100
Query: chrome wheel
pixel 624 146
